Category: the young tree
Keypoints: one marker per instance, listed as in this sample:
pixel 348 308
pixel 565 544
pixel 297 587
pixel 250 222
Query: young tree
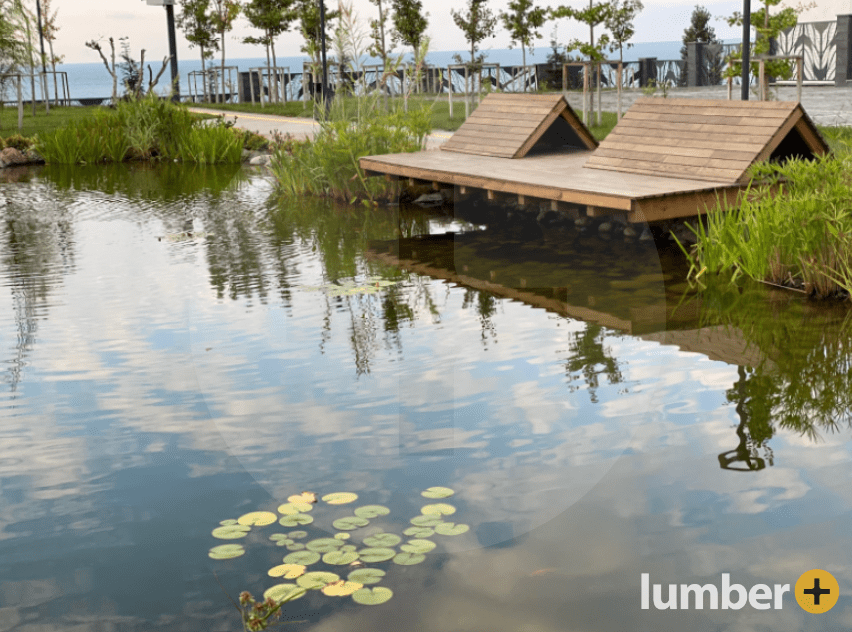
pixel 379 32
pixel 225 12
pixel 409 23
pixel 700 31
pixel 308 15
pixel 522 22
pixel 477 23
pixel 49 30
pixel 273 17
pixel 619 23
pixel 196 22
pixel 111 69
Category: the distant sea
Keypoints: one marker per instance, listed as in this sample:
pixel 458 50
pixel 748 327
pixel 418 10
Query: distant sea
pixel 92 80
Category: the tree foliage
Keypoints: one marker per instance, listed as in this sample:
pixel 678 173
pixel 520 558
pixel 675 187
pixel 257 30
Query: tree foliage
pixel 700 31
pixel 477 23
pixel 224 14
pixel 619 23
pixel 523 21
pixel 593 15
pixel 196 22
pixel 409 23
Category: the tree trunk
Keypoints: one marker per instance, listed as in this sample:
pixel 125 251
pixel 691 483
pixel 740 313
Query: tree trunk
pixel 203 74
pixel 222 39
pixel 524 49
pixel 53 67
pixel 275 67
pixel 114 74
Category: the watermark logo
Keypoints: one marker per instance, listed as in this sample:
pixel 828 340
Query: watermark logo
pixel 816 591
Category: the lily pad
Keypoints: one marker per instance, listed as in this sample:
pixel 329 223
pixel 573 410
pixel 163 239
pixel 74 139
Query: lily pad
pixel 372 511
pixel 438 492
pixel 440 509
pixel 418 532
pixel 366 575
pixel 349 523
pixel 376 554
pixel 418 546
pixel 340 558
pixel 383 540
pixel 289 509
pixel 231 531
pixel 305 558
pixel 227 522
pixel 348 547
pixel 342 536
pixel 295 520
pixel 426 521
pixel 340 498
pixel 317 579
pixel 449 528
pixel 372 596
pixel 407 559
pixel 296 546
pixel 278 536
pixel 286 542
pixel 304 497
pixel 226 551
pixel 296 535
pixel 284 592
pixel 341 588
pixel 258 518
pixel 287 571
pixel 324 545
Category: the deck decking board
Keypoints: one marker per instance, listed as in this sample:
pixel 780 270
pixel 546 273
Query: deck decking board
pixel 712 111
pixel 736 121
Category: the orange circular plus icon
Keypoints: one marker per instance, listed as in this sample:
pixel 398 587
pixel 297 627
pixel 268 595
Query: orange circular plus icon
pixel 817 591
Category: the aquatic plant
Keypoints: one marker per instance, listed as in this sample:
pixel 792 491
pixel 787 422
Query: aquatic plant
pixel 333 552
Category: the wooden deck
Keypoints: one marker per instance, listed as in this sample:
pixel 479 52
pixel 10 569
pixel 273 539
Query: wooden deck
pixel 666 159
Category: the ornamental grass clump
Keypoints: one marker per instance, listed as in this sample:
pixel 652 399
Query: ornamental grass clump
pixel 793 228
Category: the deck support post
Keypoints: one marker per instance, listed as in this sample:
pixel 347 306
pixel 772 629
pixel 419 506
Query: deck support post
pixel 491 195
pixel 436 186
pixel 521 199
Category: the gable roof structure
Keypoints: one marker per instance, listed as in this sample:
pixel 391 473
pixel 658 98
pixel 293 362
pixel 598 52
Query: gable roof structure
pixel 512 125
pixel 706 140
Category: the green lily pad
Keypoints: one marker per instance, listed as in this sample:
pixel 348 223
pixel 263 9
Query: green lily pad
pixel 227 522
pixel 348 547
pixel 440 509
pixel 366 575
pixel 305 558
pixel 383 540
pixel 342 536
pixel 438 492
pixel 340 558
pixel 406 559
pixel 296 546
pixel 340 498
pixel 286 542
pixel 226 551
pixel 372 511
pixel 258 518
pixel 295 520
pixel 418 546
pixel 372 596
pixel 317 579
pixel 289 509
pixel 324 545
pixel 349 523
pixel 284 592
pixel 297 534
pixel 449 528
pixel 376 554
pixel 278 536
pixel 231 531
pixel 426 521
pixel 418 532
pixel 287 571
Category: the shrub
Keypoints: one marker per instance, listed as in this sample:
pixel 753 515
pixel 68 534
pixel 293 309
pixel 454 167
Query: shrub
pixel 19 142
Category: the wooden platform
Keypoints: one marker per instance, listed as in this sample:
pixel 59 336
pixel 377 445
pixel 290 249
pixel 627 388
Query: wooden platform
pixel 667 158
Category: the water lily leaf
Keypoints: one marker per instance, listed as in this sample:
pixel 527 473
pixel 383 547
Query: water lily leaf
pixel 297 534
pixel 226 551
pixel 258 518
pixel 305 558
pixel 289 509
pixel 286 542
pixel 296 546
pixel 341 588
pixel 418 546
pixel 348 547
pixel 317 579
pixel 366 575
pixel 324 545
pixel 371 511
pixel 304 497
pixel 278 536
pixel 448 528
pixel 372 596
pixel 418 532
pixel 339 558
pixel 440 509
pixel 426 521
pixel 284 592
pixel 438 492
pixel 340 498
pixel 349 523
pixel 227 522
pixel 231 531
pixel 295 520
pixel 406 559
pixel 383 540
pixel 287 571
pixel 342 536
pixel 377 554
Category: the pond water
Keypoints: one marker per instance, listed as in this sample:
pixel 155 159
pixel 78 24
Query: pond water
pixel 181 348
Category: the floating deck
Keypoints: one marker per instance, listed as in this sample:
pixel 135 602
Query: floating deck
pixel 666 158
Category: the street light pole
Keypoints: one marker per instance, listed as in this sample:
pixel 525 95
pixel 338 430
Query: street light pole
pixel 746 57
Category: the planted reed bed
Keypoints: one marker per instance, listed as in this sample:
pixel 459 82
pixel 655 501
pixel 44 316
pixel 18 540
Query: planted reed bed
pixel 793 228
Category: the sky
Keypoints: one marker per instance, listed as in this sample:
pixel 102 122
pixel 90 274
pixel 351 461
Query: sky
pixel 83 20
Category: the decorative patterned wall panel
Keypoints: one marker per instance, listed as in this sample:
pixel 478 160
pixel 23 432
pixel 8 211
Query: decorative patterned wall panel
pixel 816 42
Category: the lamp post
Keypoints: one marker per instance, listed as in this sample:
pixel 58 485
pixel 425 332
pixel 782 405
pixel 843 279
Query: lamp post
pixel 746 57
pixel 170 24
